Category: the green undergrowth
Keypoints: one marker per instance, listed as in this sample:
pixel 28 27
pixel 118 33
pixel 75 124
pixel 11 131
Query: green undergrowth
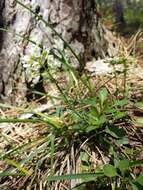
pixel 82 142
pixel 133 16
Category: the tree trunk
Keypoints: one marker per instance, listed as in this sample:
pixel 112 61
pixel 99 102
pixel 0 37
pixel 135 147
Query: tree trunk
pixel 119 14
pixel 78 21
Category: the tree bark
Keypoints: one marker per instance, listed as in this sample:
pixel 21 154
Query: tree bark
pixel 78 21
pixel 119 14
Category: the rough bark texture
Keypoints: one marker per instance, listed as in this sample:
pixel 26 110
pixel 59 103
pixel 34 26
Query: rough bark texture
pixel 76 20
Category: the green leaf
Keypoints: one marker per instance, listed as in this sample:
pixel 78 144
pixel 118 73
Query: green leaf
pixel 136 163
pixel 6 174
pixel 134 186
pixel 103 94
pixel 102 119
pixel 109 170
pixel 90 101
pixel 52 120
pixel 85 167
pixel 80 187
pixel 139 179
pixel 98 120
pixel 84 157
pixel 123 165
pixel 110 110
pixel 92 128
pixel 123 140
pixel 115 131
pixel 119 115
pixel 94 111
pixel 90 176
pixel 120 102
pixel 129 151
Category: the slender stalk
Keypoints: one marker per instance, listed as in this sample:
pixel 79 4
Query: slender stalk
pixel 52 28
pixel 52 151
pixel 21 36
pixel 64 95
pixel 125 78
pixel 7 120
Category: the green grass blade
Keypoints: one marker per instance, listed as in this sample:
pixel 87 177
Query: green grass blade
pixel 23 37
pixel 136 163
pixel 18 166
pixel 23 147
pixel 74 176
pixel 6 174
pixel 35 152
pixel 52 151
pixel 12 120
